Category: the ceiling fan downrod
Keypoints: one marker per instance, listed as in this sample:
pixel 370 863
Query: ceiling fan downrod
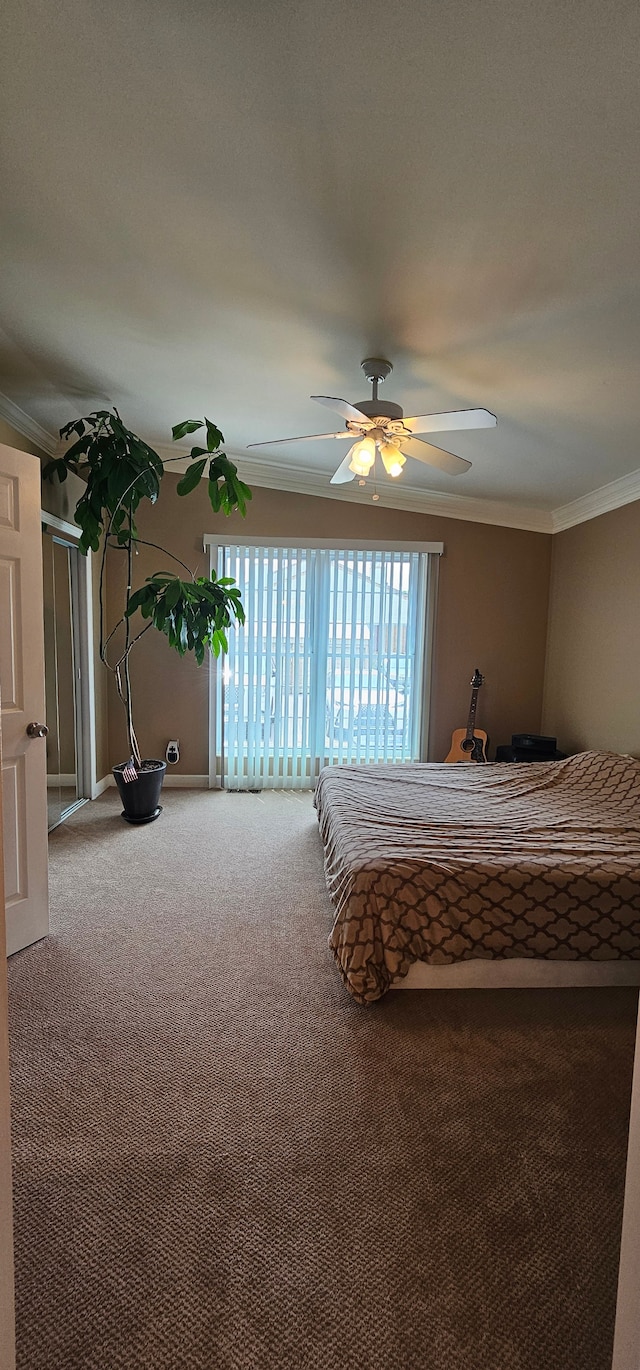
pixel 376 370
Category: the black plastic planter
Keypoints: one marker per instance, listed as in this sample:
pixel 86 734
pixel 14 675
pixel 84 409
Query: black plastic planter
pixel 141 797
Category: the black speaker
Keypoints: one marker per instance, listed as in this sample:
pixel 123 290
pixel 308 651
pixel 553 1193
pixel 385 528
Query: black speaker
pixel 533 742
pixel 530 754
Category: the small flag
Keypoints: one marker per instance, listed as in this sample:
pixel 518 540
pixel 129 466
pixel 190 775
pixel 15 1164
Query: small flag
pixel 129 771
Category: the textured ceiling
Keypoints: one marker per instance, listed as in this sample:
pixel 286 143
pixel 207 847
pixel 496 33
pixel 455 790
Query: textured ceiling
pixel 224 207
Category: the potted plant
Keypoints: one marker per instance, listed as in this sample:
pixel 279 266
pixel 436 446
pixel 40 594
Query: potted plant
pixel 120 470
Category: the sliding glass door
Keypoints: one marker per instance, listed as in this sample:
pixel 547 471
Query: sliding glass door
pixel 329 666
pixel 65 762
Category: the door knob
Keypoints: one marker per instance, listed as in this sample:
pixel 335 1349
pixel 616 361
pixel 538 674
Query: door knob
pixel 37 730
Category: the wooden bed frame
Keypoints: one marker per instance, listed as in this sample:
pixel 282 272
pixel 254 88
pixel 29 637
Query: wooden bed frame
pixel 519 973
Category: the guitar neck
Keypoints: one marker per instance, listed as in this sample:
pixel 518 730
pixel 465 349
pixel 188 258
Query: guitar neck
pixel 466 744
pixel 472 712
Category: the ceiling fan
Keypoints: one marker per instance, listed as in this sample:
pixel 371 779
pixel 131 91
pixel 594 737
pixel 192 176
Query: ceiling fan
pixel 380 426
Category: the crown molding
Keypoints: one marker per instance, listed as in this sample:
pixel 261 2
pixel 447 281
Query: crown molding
pixel 275 476
pixel 612 496
pixel 278 476
pixel 30 428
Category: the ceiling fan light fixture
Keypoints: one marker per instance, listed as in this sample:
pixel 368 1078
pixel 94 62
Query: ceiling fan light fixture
pixel 392 460
pixel 377 424
pixel 362 456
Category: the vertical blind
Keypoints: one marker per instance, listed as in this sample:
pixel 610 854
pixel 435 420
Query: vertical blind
pixel 328 667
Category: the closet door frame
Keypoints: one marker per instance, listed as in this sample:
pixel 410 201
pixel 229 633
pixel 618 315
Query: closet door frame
pixel 82 617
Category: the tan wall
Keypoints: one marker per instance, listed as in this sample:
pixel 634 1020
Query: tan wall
pixel 60 497
pixel 12 438
pixel 593 656
pixel 492 613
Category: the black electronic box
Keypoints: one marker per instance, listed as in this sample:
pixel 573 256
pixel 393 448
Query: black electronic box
pixel 530 747
pixel 533 742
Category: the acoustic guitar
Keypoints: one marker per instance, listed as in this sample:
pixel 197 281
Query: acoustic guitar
pixel 470 743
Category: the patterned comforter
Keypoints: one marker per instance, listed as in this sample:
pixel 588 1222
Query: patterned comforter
pixel 446 863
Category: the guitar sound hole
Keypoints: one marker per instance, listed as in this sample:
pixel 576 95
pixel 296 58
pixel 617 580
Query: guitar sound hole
pixel 468 744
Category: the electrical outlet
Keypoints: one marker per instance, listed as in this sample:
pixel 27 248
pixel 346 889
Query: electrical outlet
pixel 173 751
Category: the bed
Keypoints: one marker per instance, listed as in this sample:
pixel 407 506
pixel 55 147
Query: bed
pixel 483 875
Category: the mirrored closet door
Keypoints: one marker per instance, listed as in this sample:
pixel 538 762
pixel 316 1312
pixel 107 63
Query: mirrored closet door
pixel 63 698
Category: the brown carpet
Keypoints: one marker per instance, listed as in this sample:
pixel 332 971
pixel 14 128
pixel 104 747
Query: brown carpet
pixel 223 1163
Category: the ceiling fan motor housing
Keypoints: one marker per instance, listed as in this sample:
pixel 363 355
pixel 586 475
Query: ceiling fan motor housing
pixel 379 409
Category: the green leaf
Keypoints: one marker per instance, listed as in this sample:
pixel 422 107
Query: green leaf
pixel 215 600
pixel 172 594
pixel 214 436
pixel 180 430
pixel 137 600
pixel 76 426
pixel 117 426
pixel 145 457
pixel 77 449
pixel 191 477
pixel 156 462
pixel 214 495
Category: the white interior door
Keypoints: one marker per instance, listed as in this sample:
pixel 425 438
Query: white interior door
pixel 24 762
pixel 7 1316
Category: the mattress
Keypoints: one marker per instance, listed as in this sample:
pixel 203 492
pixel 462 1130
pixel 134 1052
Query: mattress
pixel 450 863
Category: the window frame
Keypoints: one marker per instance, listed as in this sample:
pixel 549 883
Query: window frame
pixel 434 550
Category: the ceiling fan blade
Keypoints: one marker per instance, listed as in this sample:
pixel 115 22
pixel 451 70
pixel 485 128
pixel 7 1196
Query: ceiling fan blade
pixel 343 474
pixel 445 423
pixel 434 456
pixel 310 437
pixel 343 407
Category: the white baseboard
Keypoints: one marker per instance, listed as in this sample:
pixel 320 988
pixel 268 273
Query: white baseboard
pixel 102 785
pixel 519 973
pixel 185 782
pixel 171 782
pixel 66 780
